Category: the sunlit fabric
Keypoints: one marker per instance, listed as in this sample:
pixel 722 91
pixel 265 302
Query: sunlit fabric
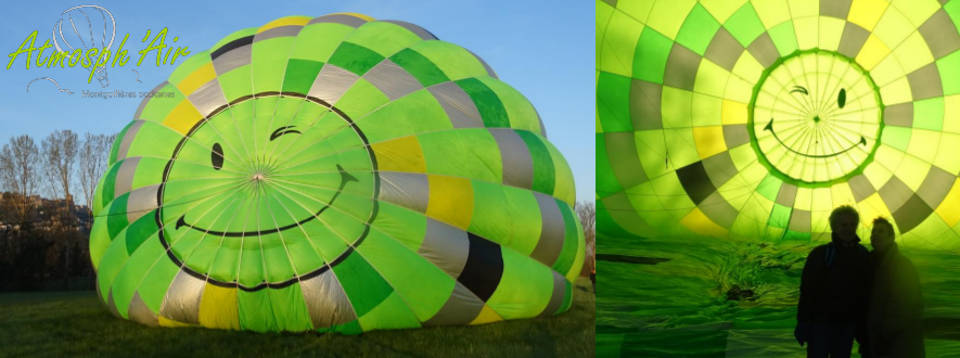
pixel 335 174
pixel 755 119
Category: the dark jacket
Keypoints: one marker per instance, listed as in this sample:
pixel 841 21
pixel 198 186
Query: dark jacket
pixel 834 284
pixel 895 308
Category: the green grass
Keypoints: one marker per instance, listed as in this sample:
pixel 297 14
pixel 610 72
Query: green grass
pixel 75 323
pixel 680 307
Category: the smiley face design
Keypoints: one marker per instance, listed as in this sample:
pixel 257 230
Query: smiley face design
pixel 266 176
pixel 815 118
pixel 841 101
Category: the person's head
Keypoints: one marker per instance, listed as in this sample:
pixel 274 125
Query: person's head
pixel 843 222
pixel 882 235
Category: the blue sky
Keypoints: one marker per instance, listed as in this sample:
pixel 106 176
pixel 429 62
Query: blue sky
pixel 544 50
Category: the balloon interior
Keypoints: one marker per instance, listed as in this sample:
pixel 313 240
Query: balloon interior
pixel 726 134
pixel 754 120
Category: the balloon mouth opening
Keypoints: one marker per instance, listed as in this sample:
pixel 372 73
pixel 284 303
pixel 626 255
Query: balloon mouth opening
pixel 258 177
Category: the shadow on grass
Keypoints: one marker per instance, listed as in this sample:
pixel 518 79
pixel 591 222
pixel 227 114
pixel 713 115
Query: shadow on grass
pixel 75 323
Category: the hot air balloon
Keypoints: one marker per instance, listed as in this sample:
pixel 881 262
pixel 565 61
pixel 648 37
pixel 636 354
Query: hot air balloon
pixel 755 119
pixel 339 174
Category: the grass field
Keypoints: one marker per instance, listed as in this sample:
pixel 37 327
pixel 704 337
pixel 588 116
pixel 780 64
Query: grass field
pixel 75 323
pixel 681 306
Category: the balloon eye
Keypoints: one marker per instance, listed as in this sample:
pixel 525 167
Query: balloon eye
pixel 842 98
pixel 216 156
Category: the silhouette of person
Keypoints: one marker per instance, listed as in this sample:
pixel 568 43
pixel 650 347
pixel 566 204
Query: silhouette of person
pixel 895 304
pixel 833 290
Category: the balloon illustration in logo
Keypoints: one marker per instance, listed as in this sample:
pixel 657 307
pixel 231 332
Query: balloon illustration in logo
pixel 87 26
pixel 755 119
pixel 335 174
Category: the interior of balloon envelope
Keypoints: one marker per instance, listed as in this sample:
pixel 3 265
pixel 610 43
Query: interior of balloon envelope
pixel 757 119
pixel 728 131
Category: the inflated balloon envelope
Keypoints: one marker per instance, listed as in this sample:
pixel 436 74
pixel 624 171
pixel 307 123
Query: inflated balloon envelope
pixel 335 174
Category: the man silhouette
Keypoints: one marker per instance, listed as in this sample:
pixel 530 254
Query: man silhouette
pixel 895 308
pixel 833 290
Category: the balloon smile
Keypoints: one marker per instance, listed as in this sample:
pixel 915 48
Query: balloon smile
pixel 769 127
pixel 344 179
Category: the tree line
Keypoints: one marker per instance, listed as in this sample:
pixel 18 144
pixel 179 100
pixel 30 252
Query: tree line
pixel 44 231
pixel 52 168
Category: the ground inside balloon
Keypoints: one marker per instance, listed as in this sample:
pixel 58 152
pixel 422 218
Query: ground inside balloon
pixel 681 307
pixel 815 118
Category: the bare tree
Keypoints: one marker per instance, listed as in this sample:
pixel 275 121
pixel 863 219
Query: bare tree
pixel 587 213
pixel 59 150
pixel 19 166
pixel 92 162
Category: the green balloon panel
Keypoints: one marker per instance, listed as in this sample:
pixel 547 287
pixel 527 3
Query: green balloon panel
pixel 755 119
pixel 336 173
